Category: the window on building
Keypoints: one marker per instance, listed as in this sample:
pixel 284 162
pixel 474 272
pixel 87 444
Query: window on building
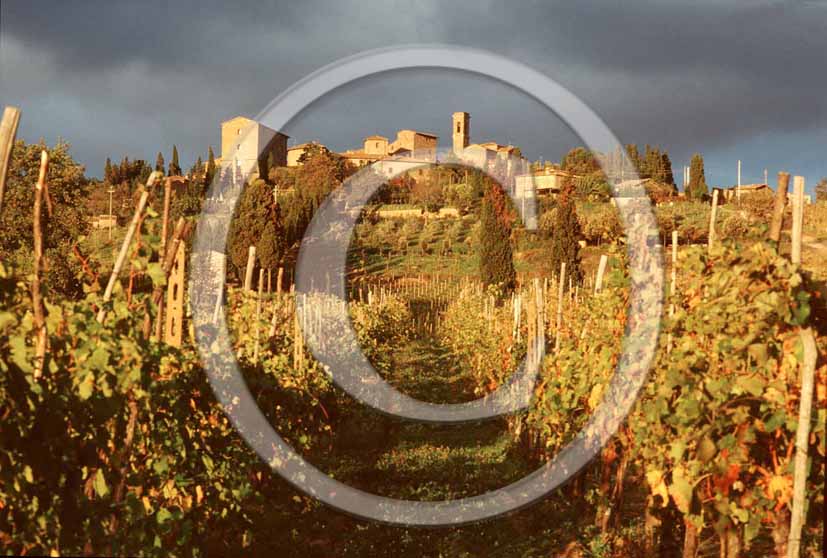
pixel 458 127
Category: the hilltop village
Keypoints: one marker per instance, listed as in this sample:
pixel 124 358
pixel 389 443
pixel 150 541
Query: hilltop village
pixel 245 142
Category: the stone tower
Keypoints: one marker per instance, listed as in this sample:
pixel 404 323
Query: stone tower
pixel 460 130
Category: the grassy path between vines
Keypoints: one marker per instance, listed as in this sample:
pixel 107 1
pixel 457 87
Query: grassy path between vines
pixel 411 460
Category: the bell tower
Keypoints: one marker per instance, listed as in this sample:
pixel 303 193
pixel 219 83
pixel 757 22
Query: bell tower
pixel 461 121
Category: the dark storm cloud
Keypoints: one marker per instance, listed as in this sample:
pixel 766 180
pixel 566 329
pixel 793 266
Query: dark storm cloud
pixel 730 79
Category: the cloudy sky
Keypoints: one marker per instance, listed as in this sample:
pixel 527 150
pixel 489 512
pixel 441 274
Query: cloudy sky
pixel 730 79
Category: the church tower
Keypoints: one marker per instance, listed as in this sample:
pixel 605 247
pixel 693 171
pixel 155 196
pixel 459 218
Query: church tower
pixel 460 130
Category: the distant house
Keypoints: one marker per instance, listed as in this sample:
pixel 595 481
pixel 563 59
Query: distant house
pixel 729 194
pixel 408 143
pixel 545 181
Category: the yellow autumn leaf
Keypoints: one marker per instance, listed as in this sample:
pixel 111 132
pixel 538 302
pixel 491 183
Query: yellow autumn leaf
pixel 199 494
pixel 780 487
pixel 147 505
pixel 658 486
pixel 595 395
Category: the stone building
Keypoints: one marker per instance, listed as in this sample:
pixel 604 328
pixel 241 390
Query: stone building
pixel 410 142
pixel 461 122
pixel 244 142
pixel 376 145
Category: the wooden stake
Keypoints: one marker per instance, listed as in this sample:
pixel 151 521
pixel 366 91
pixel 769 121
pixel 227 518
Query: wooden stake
pixel 159 321
pixel 248 275
pixel 37 296
pixel 560 285
pixel 216 313
pixel 130 232
pixel 174 330
pixel 279 279
pixel 778 210
pixel 711 236
pixel 541 321
pixel 601 269
pixel 165 221
pixel 673 287
pixel 258 312
pixel 8 132
pixel 167 260
pixel 798 219
pixel 802 438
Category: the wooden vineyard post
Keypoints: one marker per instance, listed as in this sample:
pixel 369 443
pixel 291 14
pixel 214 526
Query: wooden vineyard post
pixel 601 269
pixel 8 131
pixel 298 349
pixel 531 333
pixel 673 284
pixel 712 215
pixel 275 319
pixel 517 310
pixel 560 285
pixel 173 332
pixel 802 437
pixel 167 261
pixel 258 312
pixel 165 220
pixel 778 210
pixel 540 340
pixel 37 296
pixel 248 275
pixel 130 233
pixel 279 280
pixel 220 296
pixel 269 280
pixel 798 219
pixel 159 321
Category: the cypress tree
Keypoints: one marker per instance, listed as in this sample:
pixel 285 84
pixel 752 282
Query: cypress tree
pixel 272 244
pixel 159 162
pixel 496 261
pixel 668 176
pixel 198 170
pixel 648 167
pixel 107 171
pixel 821 190
pixel 124 170
pixel 174 167
pixel 210 172
pixel 476 183
pixel 697 189
pixel 566 235
pixel 258 222
pixel 634 157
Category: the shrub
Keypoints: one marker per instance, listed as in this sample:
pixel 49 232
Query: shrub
pixel 690 219
pixel 599 222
